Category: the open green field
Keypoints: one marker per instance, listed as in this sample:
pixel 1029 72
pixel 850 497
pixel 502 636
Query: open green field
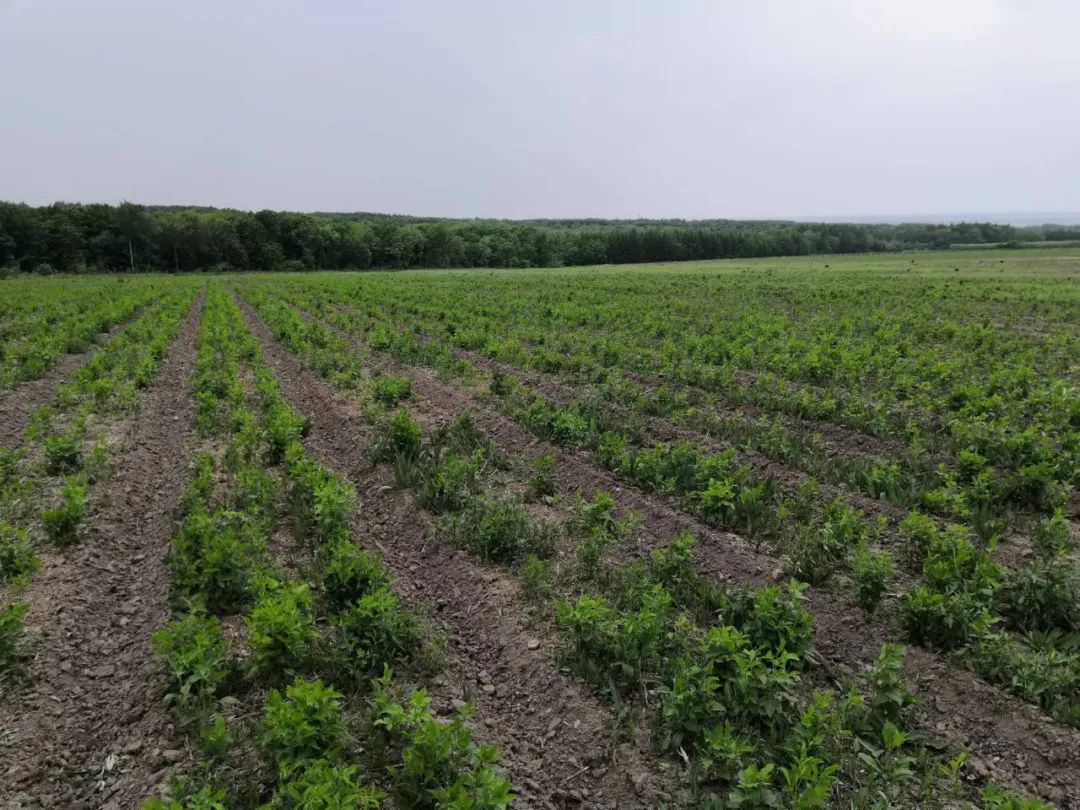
pixel 774 533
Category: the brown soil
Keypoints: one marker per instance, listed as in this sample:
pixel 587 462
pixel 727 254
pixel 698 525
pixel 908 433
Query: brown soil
pixel 89 727
pixel 557 741
pixel 1011 742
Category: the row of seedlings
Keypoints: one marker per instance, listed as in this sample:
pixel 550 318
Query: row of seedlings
pixel 319 632
pixel 1016 626
pixel 724 675
pixel 46 482
pixel 444 479
pixel 59 321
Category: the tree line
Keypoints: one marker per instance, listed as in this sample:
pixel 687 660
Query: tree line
pixel 75 238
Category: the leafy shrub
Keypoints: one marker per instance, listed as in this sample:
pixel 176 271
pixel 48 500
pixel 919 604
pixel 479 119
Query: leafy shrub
pixel 1044 595
pixel 717 500
pixel 727 679
pixel 392 390
pixel 323 786
pixel 820 547
pixel 62 523
pixel 376 632
pixel 302 727
pixel 283 427
pixel 944 621
pixel 542 484
pixel 212 560
pixel 610 649
pixel 889 698
pixel 598 515
pixel 871 573
pixel 201 485
pixel 350 574
pixel 920 531
pixel 953 565
pixel 775 618
pixel 17 558
pixel 321 501
pixel 62 455
pixel 281 630
pixel 195 653
pixel 434 764
pixel 536 578
pixel 402 438
pixel 1052 534
pixel 498 530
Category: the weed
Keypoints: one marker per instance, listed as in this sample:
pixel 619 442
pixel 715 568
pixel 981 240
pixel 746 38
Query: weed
pixel 498 530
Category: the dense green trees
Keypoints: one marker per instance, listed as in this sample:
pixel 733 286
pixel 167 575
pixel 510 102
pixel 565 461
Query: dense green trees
pixel 95 238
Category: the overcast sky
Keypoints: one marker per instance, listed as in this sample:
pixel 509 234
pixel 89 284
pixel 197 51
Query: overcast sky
pixel 556 108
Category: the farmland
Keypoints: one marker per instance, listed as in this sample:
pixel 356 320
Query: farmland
pixel 770 533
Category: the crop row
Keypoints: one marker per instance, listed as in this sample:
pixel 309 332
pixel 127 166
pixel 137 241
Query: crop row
pixel 944 379
pixel 45 483
pixel 730 697
pixel 1019 633
pixel 335 728
pixel 61 320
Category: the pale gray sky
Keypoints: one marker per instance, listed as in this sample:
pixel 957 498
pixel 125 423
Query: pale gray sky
pixel 558 108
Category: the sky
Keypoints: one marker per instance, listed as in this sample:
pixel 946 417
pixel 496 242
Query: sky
pixel 559 108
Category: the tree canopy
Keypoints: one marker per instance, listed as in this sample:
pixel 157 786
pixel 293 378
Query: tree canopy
pixel 75 238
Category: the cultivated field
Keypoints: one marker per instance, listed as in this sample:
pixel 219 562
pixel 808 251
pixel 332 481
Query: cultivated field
pixel 753 534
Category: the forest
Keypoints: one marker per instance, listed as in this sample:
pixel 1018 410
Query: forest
pixel 76 238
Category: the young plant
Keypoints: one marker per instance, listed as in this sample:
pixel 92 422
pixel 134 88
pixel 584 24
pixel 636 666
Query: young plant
pixel 17 559
pixel 195 653
pixel 872 573
pixel 349 574
pixel 432 764
pixel 302 727
pixel 281 631
pixel 542 484
pixel 325 786
pixel 62 455
pixel 376 632
pixel 62 523
pixel 392 390
pixel 11 634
